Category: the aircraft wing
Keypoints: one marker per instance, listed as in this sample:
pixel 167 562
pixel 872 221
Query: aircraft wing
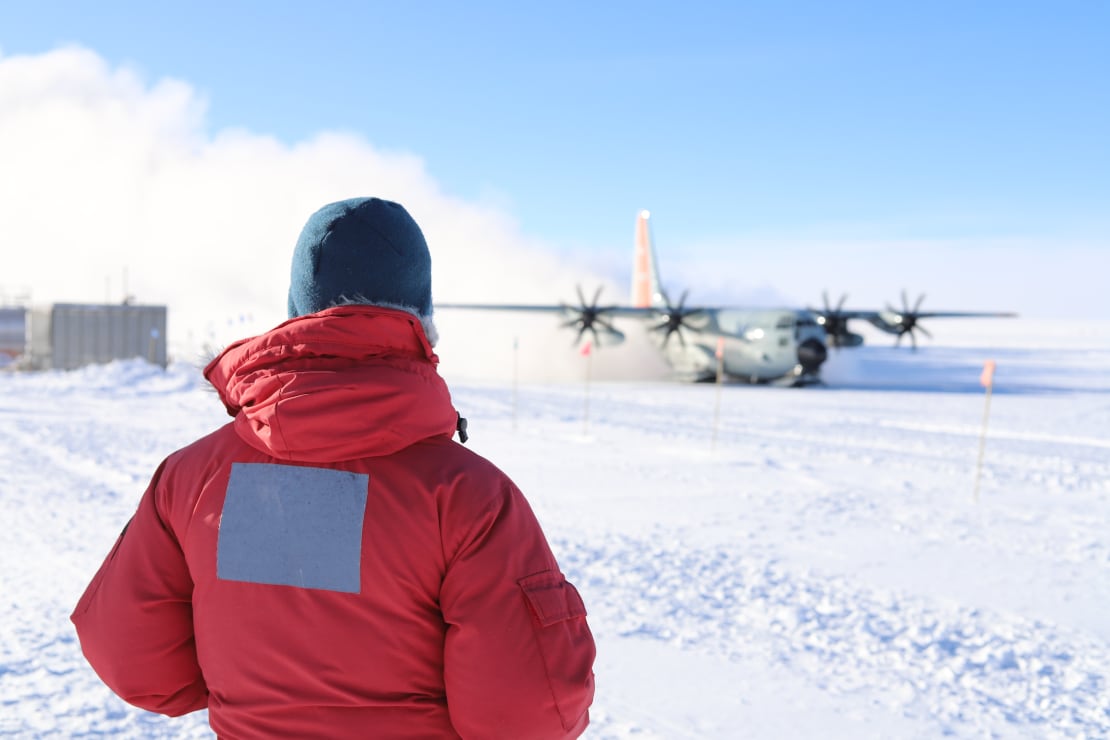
pixel 589 316
pixel 627 311
pixel 585 317
pixel 871 315
pixel 892 320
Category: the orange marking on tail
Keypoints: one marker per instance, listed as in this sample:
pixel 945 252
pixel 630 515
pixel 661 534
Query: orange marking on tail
pixel 641 276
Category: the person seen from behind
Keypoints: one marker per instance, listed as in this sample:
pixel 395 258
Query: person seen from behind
pixel 331 563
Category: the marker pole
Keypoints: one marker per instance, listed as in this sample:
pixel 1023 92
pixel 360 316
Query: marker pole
pixel 720 381
pixel 587 350
pixel 987 381
pixel 516 372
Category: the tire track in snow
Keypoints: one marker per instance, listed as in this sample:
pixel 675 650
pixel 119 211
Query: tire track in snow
pixel 35 660
pixel 972 672
pixel 88 461
pixel 1060 459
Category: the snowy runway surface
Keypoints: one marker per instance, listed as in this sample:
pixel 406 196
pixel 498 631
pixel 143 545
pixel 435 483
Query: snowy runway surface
pixel 816 564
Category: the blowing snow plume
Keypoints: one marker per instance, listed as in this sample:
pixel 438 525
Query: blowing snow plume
pixel 113 187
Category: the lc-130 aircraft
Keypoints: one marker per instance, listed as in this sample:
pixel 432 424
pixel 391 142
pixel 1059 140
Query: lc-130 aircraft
pixel 776 346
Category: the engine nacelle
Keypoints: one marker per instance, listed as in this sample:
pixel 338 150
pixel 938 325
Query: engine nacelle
pixel 844 339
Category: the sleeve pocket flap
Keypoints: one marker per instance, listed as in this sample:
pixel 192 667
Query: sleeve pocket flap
pixel 552 599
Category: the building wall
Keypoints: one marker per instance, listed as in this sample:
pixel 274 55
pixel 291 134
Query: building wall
pixel 39 342
pixel 85 334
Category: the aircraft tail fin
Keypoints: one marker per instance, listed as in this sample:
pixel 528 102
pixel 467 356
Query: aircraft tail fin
pixel 646 289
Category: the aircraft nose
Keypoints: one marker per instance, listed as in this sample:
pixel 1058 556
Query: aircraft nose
pixel 811 353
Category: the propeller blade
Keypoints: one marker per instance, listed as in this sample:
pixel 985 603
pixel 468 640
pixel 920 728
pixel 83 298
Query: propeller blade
pixel 589 317
pixel 606 325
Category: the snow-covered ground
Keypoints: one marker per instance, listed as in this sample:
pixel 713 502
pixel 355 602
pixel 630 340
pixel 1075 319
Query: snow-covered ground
pixel 816 564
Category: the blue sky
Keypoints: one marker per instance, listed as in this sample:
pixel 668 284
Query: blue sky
pixel 771 137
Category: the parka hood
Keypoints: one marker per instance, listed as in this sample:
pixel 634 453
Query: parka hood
pixel 345 383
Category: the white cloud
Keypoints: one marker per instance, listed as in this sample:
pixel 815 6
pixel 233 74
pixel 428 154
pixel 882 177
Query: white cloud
pixel 108 178
pixel 105 176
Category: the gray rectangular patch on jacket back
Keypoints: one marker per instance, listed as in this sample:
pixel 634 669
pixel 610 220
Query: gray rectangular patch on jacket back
pixel 292 526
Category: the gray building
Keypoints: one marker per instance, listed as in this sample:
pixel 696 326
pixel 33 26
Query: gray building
pixel 71 335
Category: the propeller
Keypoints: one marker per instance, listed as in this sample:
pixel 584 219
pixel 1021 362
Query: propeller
pixel 906 321
pixel 677 318
pixel 589 317
pixel 834 322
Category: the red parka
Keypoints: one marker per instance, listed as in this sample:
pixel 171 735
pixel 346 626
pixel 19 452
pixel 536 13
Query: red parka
pixel 331 564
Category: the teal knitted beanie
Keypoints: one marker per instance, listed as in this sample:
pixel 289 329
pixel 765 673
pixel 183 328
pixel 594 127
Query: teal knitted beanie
pixel 362 250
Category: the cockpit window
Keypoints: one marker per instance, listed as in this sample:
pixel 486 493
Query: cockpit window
pixel 732 322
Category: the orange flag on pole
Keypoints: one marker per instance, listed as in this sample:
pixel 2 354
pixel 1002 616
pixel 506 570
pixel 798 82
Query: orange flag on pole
pixel 987 381
pixel 987 378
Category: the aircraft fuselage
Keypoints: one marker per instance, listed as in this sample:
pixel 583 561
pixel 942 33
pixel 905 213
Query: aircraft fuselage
pixel 758 346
